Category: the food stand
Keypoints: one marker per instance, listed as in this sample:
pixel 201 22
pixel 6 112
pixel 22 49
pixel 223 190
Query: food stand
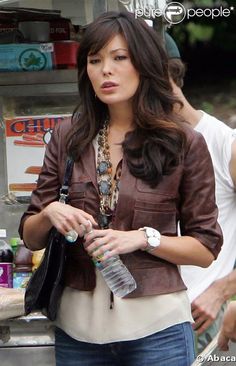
pixel 27 341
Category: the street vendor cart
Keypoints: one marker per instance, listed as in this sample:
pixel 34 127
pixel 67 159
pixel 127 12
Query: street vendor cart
pixel 27 341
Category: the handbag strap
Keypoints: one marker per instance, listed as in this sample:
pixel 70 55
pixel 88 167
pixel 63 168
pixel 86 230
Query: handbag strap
pixel 66 180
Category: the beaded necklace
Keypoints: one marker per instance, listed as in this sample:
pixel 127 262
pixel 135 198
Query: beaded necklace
pixel 108 190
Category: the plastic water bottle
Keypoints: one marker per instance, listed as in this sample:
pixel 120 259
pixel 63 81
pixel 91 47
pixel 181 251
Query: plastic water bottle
pixel 116 275
pixel 6 261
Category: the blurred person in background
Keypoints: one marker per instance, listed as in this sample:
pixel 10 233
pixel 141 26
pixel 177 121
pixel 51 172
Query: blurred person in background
pixel 228 327
pixel 210 288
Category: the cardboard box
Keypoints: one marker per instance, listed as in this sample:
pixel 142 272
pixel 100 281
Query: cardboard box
pixel 26 56
pixel 26 139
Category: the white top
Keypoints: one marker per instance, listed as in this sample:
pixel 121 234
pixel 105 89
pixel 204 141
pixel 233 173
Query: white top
pixel 86 315
pixel 219 138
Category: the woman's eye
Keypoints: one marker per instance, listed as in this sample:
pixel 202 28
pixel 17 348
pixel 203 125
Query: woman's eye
pixel 121 57
pixel 94 61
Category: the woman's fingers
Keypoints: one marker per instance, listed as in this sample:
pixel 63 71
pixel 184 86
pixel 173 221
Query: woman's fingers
pixel 66 218
pixel 93 239
pixel 86 219
pixel 121 242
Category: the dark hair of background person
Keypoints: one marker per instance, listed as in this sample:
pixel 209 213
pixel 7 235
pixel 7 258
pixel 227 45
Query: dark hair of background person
pixel 156 145
pixel 177 71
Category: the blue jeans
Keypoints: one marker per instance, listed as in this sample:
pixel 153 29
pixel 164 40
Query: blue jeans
pixel 173 346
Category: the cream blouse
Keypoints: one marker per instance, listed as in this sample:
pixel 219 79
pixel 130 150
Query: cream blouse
pixel 86 315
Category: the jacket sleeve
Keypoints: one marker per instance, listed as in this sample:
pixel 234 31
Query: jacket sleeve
pixel 198 210
pixel 49 180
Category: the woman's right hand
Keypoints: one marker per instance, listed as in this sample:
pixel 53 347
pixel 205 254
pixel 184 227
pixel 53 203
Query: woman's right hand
pixel 65 218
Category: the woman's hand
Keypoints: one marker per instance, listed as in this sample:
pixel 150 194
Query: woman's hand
pixel 65 218
pixel 113 242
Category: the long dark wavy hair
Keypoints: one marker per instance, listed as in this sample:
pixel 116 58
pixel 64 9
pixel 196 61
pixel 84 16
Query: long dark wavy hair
pixel 155 147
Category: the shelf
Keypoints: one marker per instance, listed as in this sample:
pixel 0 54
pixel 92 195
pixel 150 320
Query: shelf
pixel 38 77
pixel 38 83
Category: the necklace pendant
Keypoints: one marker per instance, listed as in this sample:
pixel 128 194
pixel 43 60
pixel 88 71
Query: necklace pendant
pixel 103 167
pixel 104 187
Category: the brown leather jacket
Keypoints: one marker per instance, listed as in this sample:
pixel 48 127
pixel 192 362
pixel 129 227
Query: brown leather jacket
pixel 187 196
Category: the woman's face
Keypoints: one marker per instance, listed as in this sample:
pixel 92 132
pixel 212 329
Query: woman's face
pixel 113 76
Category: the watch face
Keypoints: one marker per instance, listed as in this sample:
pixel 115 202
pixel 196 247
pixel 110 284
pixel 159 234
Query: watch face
pixel 153 241
pixel 153 238
pixel 150 232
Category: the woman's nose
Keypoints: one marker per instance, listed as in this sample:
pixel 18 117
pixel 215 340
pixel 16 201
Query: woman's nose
pixel 106 68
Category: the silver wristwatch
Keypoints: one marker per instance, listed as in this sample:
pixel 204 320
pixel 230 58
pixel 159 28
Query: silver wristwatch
pixel 153 238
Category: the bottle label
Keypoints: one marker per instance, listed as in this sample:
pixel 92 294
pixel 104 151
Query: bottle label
pixel 21 279
pixel 103 264
pixel 6 279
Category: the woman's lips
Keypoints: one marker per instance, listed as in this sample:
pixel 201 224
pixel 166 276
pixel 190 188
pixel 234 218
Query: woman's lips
pixel 108 85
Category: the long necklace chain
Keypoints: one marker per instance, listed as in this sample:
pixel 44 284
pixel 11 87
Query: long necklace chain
pixel 108 192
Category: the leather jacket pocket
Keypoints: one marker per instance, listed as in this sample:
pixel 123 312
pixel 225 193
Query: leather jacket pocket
pixel 77 194
pixel 161 216
pixel 165 188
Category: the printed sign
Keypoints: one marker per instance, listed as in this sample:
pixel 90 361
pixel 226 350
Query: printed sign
pixel 26 138
pixel 27 57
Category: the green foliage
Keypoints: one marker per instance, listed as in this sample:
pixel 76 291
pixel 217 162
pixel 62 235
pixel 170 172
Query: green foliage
pixel 207 107
pixel 232 102
pixel 199 32
pixel 208 3
pixel 203 2
pixel 220 31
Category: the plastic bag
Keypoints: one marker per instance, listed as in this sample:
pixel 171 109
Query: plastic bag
pixel 11 302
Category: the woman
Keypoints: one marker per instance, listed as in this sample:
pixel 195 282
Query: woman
pixel 138 172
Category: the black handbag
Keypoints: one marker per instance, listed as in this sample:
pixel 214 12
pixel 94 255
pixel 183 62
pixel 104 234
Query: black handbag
pixel 45 286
